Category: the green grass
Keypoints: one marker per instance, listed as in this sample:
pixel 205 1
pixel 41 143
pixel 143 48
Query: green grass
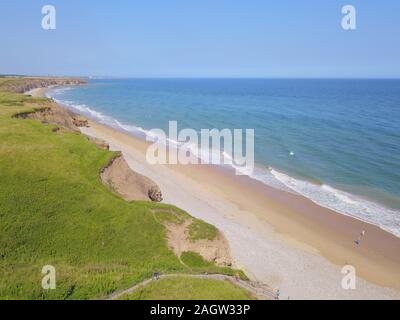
pixel 199 265
pixel 194 260
pixel 54 210
pixel 199 229
pixel 169 215
pixel 188 288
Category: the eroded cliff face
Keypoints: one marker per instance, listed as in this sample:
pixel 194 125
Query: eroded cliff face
pixel 178 224
pixel 51 113
pixel 25 84
pixel 131 185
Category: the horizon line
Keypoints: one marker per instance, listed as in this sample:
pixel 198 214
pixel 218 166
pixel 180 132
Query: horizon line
pixel 105 77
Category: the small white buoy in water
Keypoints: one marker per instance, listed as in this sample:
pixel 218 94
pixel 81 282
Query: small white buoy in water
pixel 291 153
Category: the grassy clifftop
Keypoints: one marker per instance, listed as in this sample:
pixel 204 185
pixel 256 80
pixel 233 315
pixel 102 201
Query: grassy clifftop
pixel 54 210
pixel 188 288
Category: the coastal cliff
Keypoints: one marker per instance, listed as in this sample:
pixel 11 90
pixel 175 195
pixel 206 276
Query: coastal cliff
pixel 25 84
pixel 50 176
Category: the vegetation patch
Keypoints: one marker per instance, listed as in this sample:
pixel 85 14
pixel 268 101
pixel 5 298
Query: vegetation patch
pixel 194 260
pixel 169 216
pixel 199 230
pixel 189 288
pixel 199 265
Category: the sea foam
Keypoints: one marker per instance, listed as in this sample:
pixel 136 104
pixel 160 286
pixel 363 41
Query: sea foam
pixel 344 202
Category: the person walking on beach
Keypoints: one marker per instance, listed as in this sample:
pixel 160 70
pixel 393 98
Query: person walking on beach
pixel 360 237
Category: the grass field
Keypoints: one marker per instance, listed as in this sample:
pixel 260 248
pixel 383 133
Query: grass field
pixel 187 288
pixel 54 210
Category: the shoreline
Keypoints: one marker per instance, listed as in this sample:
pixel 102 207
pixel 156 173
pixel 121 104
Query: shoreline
pixel 276 236
pixel 351 198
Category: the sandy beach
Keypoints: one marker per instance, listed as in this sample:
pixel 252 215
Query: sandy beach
pixel 277 237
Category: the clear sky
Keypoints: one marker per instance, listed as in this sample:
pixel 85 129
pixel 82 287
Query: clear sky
pixel 201 38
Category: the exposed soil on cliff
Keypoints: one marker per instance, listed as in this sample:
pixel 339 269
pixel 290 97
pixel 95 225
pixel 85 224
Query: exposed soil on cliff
pixel 180 241
pixel 51 113
pixel 119 177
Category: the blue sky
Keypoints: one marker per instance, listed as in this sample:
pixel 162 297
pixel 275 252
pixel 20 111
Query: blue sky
pixel 184 38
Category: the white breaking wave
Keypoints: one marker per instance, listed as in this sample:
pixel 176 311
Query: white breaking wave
pixel 100 117
pixel 58 90
pixel 345 203
pixel 323 195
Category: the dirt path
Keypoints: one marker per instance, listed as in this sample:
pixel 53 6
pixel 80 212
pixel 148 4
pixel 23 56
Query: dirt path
pixel 259 290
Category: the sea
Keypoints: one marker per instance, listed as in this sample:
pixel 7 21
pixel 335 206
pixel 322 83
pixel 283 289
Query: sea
pixel 334 141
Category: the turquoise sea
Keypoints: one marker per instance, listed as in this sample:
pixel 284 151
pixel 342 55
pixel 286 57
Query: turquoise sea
pixel 336 142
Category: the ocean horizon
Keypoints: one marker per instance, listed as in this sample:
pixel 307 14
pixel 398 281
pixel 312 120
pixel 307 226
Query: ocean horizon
pixel 334 141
